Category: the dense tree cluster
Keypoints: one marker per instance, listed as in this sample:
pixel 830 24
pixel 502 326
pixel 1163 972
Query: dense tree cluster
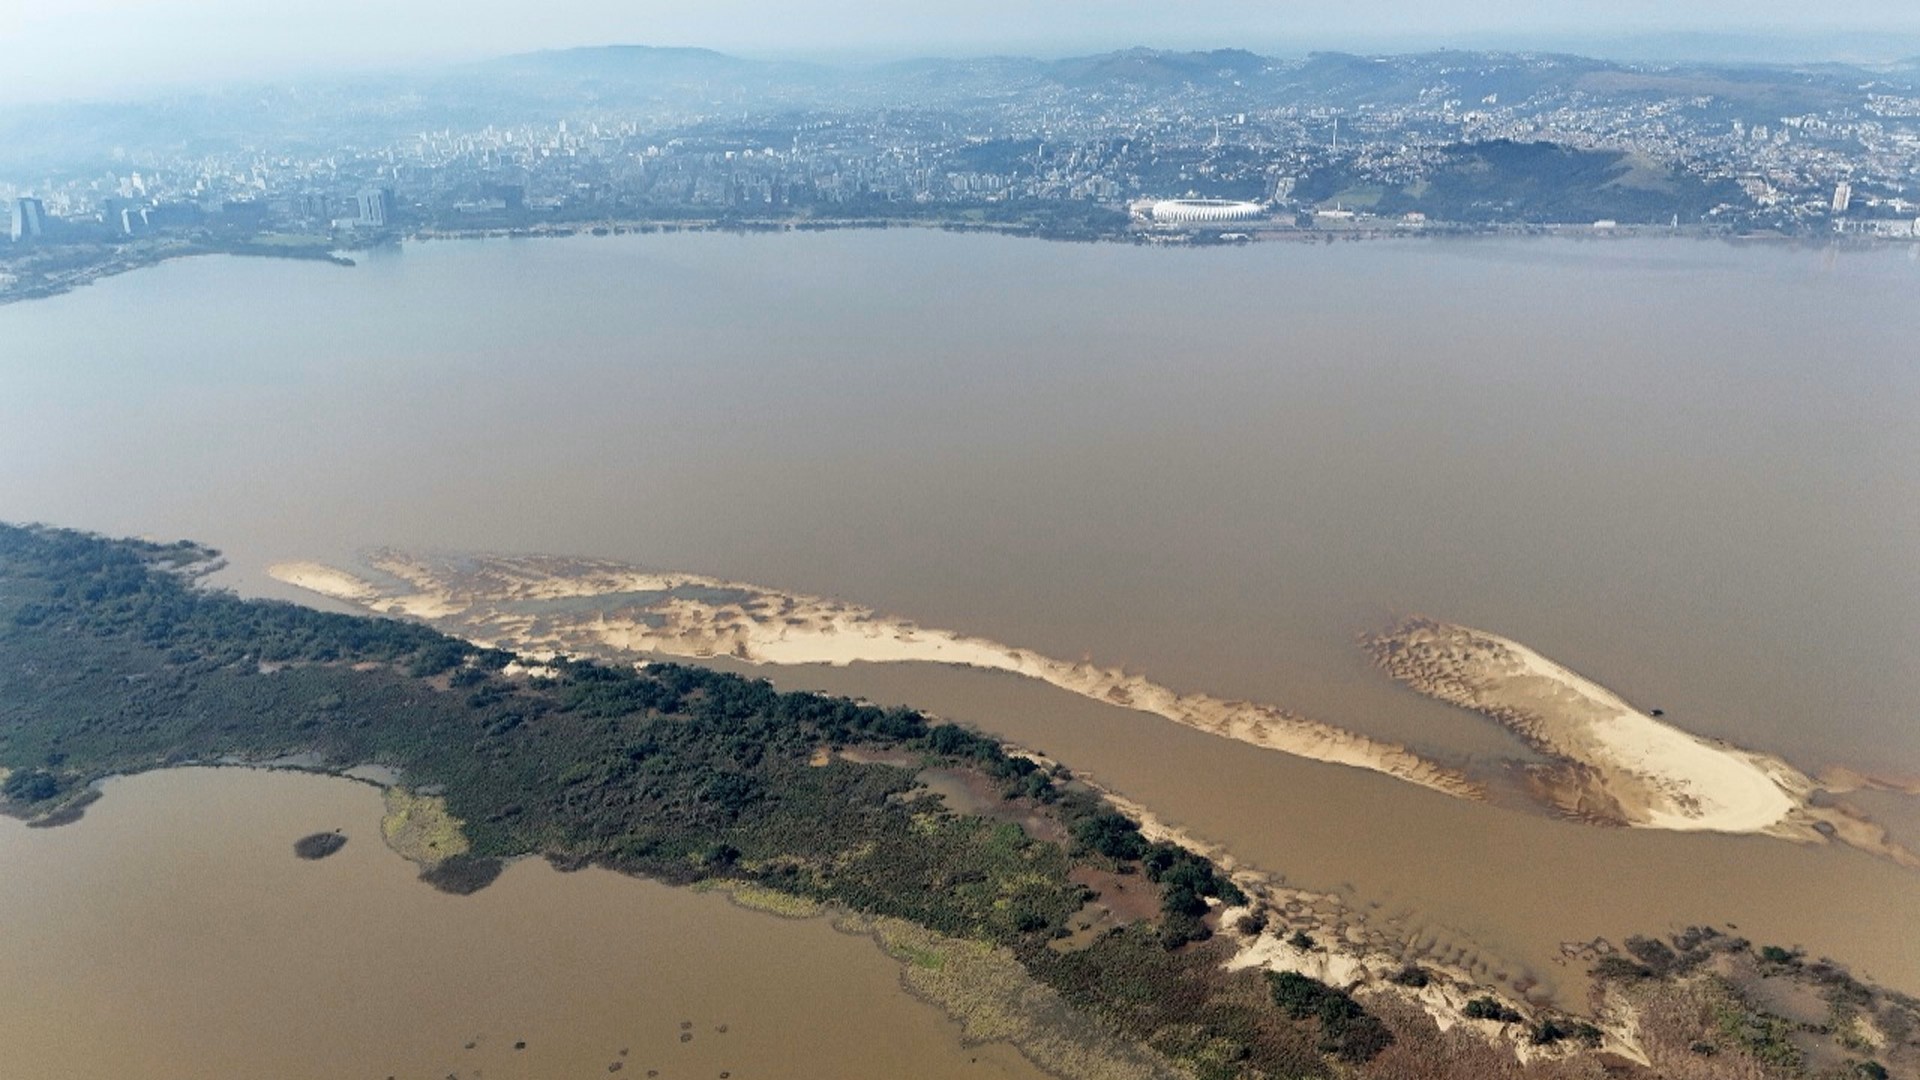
pixel 1347 1031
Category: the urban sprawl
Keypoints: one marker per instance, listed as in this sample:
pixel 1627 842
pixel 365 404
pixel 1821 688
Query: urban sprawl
pixel 613 139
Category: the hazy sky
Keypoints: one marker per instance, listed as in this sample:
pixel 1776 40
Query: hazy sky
pixel 92 47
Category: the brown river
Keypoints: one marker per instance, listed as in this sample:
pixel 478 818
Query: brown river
pixel 175 934
pixel 1688 470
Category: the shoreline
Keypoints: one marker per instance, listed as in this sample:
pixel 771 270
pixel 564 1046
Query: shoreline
pixel 694 617
pixel 1348 953
pixel 1607 762
pixel 117 262
pixel 987 994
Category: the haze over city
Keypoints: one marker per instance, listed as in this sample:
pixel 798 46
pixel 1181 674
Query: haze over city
pixel 96 48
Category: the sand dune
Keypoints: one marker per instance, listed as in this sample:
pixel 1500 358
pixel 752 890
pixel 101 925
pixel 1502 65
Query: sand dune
pixel 1607 762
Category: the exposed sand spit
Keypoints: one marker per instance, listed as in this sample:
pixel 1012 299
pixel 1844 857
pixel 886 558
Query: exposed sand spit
pixel 546 605
pixel 1607 762
pixel 325 580
pixel 1611 762
pixel 340 585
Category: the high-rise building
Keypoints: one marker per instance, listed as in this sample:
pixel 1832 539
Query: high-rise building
pixel 1842 197
pixel 376 208
pixel 311 206
pixel 29 220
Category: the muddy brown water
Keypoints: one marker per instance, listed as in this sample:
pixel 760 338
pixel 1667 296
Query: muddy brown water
pixel 1501 890
pixel 1688 470
pixel 173 933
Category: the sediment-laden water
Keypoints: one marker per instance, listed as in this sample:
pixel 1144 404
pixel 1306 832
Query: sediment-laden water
pixel 1687 471
pixel 173 933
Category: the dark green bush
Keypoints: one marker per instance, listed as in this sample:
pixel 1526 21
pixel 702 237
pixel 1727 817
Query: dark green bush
pixel 1111 834
pixel 1489 1008
pixel 1620 968
pixel 1347 1031
pixel 1297 994
pixel 30 786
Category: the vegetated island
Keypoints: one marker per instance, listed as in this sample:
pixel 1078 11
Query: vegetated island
pixel 319 845
pixel 1607 762
pixel 1008 909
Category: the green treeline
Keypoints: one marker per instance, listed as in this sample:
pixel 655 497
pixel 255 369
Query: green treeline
pixel 1505 181
pixel 112 660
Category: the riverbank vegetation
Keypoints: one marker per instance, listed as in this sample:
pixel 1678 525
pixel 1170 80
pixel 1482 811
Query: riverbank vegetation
pixel 114 660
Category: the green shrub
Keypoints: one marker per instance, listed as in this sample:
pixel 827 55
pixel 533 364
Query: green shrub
pixel 1619 968
pixel 1111 834
pixel 1179 928
pixel 30 786
pixel 1347 1031
pixel 1653 955
pixel 1490 1008
pixel 438 657
pixel 1297 994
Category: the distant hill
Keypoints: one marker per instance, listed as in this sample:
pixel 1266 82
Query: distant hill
pixel 617 72
pixel 1156 67
pixel 1011 68
pixel 616 60
pixel 663 87
pixel 1355 79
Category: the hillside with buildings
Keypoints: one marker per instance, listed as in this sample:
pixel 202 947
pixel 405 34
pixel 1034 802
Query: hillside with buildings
pixel 634 136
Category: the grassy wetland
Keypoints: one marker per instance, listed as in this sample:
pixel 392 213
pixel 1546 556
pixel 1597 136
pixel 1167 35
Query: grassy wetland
pixel 116 662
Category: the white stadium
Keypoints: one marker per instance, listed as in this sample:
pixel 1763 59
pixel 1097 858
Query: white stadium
pixel 1202 211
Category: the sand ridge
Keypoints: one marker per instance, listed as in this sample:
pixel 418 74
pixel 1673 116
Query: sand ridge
pixel 1607 761
pixel 1610 761
pixel 543 605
